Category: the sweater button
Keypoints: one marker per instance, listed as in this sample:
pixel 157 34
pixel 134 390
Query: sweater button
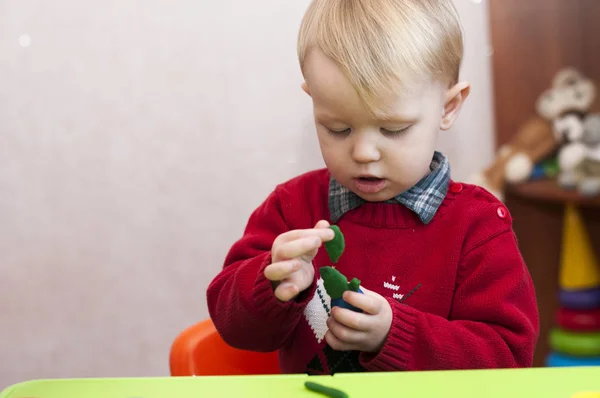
pixel 501 212
pixel 456 187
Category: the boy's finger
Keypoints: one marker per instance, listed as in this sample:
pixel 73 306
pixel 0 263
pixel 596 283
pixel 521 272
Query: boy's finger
pixel 280 270
pixel 325 234
pixel 322 224
pixel 351 319
pixel 342 330
pixel 286 291
pixel 296 248
pixel 367 302
pixel 337 344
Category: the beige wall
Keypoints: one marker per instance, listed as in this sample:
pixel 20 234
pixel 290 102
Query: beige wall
pixel 135 139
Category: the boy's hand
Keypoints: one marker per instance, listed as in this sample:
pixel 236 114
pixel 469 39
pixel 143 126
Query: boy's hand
pixel 354 331
pixel 291 269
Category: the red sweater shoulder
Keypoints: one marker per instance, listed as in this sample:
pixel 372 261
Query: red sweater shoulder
pixel 476 214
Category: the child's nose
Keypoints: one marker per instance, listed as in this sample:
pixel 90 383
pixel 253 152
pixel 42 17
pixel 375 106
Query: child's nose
pixel 365 150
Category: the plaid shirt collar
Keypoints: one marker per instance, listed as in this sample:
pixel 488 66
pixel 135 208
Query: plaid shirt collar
pixel 424 198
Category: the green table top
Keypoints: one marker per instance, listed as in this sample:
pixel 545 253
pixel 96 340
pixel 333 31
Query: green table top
pixel 503 383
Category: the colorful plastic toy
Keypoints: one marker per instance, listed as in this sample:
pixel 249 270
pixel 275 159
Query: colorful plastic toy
pixel 580 299
pixel 557 360
pixel 575 344
pixel 580 269
pixel 576 339
pixel 579 320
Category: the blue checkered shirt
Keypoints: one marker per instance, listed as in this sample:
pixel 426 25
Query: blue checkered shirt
pixel 424 198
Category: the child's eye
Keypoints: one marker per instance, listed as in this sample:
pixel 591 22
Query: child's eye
pixel 338 132
pixel 395 132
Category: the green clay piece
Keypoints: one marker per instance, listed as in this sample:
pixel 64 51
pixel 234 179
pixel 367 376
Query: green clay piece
pixel 335 247
pixel 327 391
pixel 335 283
pixel 354 285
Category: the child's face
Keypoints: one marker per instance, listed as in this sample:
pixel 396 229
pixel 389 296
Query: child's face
pixel 377 157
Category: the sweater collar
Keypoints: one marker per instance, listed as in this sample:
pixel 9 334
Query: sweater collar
pixel 424 198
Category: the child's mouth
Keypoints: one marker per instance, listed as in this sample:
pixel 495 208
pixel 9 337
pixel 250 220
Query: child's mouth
pixel 369 178
pixel 369 184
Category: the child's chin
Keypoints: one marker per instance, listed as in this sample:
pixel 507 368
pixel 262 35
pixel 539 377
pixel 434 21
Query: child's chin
pixel 375 197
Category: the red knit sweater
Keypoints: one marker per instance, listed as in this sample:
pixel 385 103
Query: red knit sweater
pixel 476 307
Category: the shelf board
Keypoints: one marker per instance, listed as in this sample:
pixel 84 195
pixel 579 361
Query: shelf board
pixel 548 190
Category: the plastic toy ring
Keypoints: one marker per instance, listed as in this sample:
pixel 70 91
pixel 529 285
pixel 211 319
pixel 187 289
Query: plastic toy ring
pixel 577 344
pixel 579 320
pixel 556 360
pixel 580 299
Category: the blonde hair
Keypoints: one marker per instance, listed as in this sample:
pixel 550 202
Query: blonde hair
pixel 379 43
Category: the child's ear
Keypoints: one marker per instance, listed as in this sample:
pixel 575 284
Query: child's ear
pixel 455 98
pixel 305 88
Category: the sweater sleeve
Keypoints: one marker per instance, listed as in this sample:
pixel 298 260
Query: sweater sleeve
pixel 241 301
pixel 493 322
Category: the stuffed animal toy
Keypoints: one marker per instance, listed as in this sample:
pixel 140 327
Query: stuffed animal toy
pixel 516 159
pixel 570 96
pixel 579 156
pixel 571 92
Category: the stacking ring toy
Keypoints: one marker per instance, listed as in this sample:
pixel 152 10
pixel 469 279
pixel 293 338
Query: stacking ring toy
pixel 578 344
pixel 579 320
pixel 556 360
pixel 580 299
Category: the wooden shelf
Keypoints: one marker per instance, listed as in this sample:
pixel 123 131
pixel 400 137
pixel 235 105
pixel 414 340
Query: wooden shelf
pixel 532 41
pixel 548 190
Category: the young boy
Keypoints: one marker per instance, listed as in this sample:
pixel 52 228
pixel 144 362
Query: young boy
pixel 383 78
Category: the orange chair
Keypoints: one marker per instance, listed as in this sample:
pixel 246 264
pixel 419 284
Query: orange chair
pixel 200 351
